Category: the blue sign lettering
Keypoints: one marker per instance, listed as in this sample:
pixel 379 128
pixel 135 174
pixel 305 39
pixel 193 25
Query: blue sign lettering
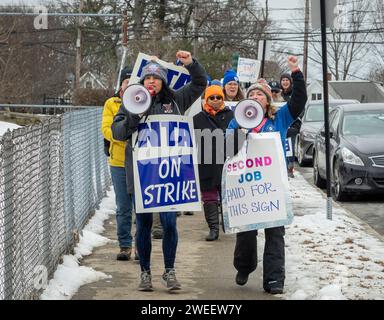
pixel 169 181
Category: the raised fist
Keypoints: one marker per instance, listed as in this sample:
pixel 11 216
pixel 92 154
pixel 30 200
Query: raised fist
pixel 293 63
pixel 184 57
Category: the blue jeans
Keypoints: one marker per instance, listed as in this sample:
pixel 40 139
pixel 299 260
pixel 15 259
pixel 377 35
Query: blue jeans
pixel 124 207
pixel 144 240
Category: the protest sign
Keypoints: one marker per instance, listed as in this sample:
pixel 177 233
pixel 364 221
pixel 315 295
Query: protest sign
pixel 231 104
pixel 255 189
pixel 288 147
pixel 178 76
pixel 248 70
pixel 165 165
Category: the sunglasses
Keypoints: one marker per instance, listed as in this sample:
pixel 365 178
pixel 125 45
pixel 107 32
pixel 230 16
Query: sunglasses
pixel 215 98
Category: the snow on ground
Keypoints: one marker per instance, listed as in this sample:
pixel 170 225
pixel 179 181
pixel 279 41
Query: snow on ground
pixel 325 259
pixel 69 275
pixel 4 126
pixel 330 259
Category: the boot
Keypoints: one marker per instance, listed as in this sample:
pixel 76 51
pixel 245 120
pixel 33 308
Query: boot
pixel 212 217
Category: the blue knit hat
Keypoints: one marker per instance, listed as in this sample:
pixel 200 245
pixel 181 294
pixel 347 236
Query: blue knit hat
pixel 216 82
pixel 230 75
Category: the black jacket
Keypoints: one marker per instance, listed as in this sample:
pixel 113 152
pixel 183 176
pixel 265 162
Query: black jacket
pixel 175 102
pixel 211 165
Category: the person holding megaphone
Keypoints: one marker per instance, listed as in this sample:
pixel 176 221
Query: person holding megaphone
pixel 163 100
pixel 245 255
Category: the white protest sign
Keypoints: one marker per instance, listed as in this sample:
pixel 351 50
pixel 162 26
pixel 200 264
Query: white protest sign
pixel 255 188
pixel 165 167
pixel 288 147
pixel 195 108
pixel 231 104
pixel 248 70
pixel 178 76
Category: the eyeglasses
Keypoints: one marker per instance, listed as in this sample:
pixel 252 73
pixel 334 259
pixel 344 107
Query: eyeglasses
pixel 215 98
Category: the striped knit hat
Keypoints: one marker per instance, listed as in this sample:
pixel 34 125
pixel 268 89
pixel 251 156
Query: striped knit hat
pixel 263 86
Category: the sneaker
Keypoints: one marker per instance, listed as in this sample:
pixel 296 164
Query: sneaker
pixel 124 254
pixel 274 290
pixel 157 234
pixel 241 278
pixel 169 280
pixel 145 281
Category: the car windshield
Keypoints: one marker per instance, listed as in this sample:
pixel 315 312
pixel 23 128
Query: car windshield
pixel 363 123
pixel 315 113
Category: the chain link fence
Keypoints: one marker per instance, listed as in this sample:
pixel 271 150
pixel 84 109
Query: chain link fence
pixel 52 177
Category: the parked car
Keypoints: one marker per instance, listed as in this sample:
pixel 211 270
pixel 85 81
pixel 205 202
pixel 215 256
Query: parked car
pixel 311 122
pixel 356 150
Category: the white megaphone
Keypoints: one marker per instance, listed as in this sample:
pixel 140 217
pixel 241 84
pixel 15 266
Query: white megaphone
pixel 249 114
pixel 136 99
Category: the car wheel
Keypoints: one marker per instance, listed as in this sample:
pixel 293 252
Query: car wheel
pixel 300 160
pixel 317 179
pixel 338 194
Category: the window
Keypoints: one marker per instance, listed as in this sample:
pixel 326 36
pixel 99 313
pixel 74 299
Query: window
pixel 313 96
pixel 319 96
pixel 334 122
pixel 88 85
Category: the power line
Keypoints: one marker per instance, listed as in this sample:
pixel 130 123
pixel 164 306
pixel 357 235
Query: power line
pixel 61 14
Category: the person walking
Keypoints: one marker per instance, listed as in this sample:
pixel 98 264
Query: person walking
pixel 245 254
pixel 231 86
pixel 286 93
pixel 164 101
pixel 115 150
pixel 215 117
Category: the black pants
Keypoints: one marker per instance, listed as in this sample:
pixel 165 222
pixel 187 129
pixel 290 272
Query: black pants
pixel 245 256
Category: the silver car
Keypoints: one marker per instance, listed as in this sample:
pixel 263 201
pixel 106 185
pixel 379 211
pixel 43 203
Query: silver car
pixel 313 121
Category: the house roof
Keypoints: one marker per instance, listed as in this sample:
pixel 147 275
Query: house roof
pixel 363 91
pixel 90 74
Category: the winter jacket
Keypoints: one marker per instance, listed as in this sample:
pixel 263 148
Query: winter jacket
pixel 116 148
pixel 287 113
pixel 125 123
pixel 210 173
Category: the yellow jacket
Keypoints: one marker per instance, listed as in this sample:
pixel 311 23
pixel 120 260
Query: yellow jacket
pixel 116 148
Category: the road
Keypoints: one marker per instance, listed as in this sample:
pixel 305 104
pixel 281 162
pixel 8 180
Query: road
pixel 369 208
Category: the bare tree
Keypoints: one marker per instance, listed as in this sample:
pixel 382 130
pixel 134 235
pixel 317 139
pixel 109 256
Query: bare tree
pixel 347 44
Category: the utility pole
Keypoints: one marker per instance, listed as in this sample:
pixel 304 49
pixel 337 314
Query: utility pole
pixel 78 47
pixel 264 40
pixel 306 31
pixel 125 47
pixel 195 36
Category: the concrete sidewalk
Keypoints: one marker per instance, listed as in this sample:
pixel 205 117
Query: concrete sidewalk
pixel 204 269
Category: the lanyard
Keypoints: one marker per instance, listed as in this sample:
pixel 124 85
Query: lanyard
pixel 258 128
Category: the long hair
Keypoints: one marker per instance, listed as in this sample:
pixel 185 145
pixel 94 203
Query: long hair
pixel 166 94
pixel 239 96
pixel 271 110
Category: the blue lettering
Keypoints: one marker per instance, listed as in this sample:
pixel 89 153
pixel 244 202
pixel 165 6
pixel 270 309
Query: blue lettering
pixel 143 63
pixel 185 138
pixel 170 75
pixel 170 127
pixel 148 135
pixel 182 81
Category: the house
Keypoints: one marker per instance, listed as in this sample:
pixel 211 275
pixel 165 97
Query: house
pixel 89 81
pixel 363 91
